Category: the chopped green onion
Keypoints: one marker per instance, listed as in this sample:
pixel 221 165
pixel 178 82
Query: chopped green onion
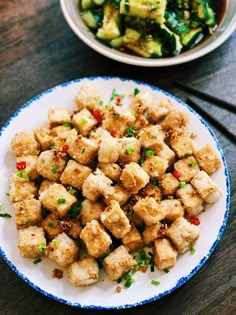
pixel 5 215
pixel 54 169
pixel 192 250
pixel 82 151
pixel 100 103
pixel 83 121
pixel 72 190
pixel 141 161
pixel 193 163
pixel 107 107
pixel 23 174
pixel 68 124
pixel 42 247
pixel 52 224
pixel 75 209
pixel 155 282
pixel 186 155
pixel 153 169
pixel 130 150
pixel 149 152
pixel 182 184
pixel 7 194
pixel 116 115
pixel 154 137
pixel 36 261
pixel 166 270
pixel 27 222
pixel 51 147
pixel 54 243
pixel 136 91
pixel 131 131
pixel 61 200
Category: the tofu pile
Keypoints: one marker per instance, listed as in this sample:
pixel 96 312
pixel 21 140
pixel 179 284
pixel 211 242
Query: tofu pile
pixel 103 181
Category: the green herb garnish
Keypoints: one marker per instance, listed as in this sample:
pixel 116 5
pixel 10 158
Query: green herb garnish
pixel 36 261
pixel 155 282
pixel 5 215
pixel 75 209
pixel 130 150
pixel 54 169
pixel 82 151
pixel 149 152
pixel 182 184
pixel 136 91
pixel 61 200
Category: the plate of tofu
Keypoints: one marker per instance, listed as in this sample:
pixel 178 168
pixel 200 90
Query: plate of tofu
pixel 109 185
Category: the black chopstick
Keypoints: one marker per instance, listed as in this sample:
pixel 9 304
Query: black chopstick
pixel 207 97
pixel 211 119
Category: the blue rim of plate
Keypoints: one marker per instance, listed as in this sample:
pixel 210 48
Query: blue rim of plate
pixel 182 280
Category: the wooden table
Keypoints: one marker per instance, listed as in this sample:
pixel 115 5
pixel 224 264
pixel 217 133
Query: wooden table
pixel 39 51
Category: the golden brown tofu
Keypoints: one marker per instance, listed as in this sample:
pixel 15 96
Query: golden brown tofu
pixel 75 174
pixel 153 232
pixel 96 239
pixel 57 199
pixel 58 116
pixel 149 210
pixel 83 272
pixel 88 97
pixel 71 227
pixel 96 185
pixel 90 211
pixel 130 151
pixel 83 150
pixel 23 143
pixel 183 234
pixel 206 187
pixel 50 164
pixel 166 153
pixel 173 209
pixel 132 240
pixel 152 138
pixel 109 149
pixel 44 136
pixel 141 102
pixel 84 121
pixel 182 145
pixel 63 250
pixel 159 109
pixel 62 141
pixel 21 189
pixel 175 122
pixel 111 170
pixel 30 242
pixel 27 212
pixel 119 194
pixel 191 200
pixel 208 159
pixel 118 262
pixel 115 220
pixel 155 166
pixel 133 177
pixel 44 185
pixel 164 254
pixel 169 184
pixel 52 226
pixel 187 168
pixel 151 190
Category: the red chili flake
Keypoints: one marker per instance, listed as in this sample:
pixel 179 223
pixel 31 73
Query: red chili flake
pixel 176 174
pixel 118 100
pixel 65 148
pixel 113 133
pixel 194 220
pixel 98 116
pixel 138 41
pixel 118 289
pixel 21 165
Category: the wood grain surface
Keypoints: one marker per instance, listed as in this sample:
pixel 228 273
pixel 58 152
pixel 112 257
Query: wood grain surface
pixel 38 51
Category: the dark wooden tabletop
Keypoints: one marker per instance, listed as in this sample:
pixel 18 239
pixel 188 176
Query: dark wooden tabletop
pixel 38 51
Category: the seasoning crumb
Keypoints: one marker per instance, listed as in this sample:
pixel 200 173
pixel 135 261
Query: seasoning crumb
pixel 57 273
pixel 118 289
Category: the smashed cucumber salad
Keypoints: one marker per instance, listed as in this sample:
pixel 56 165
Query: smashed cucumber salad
pixel 149 28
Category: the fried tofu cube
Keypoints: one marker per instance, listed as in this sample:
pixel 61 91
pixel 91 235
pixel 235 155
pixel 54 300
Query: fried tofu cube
pixel 151 190
pixel 30 241
pixel 111 170
pixel 206 187
pixel 115 220
pixel 71 227
pixel 31 165
pixel 21 189
pixel 63 250
pixel 187 168
pixel 96 239
pixel 83 272
pixel 175 122
pixel 132 240
pixel 120 195
pixel 109 149
pixel 133 177
pixel 149 210
pixel 118 119
pixel 84 121
pixel 191 200
pixel 166 153
pixel 183 234
pixel 130 151
pixel 173 209
pixel 90 211
pixel 140 121
pixel 44 136
pixel 152 138
pixel 118 262
pixel 52 226
pixel 58 116
pixel 155 166
pixel 50 164
pixel 61 129
pixel 164 254
pixel 160 109
pixel 75 174
pixel 153 232
pixel 169 184
pixel 208 159
pixel 182 145
pixel 141 102
pixel 96 185
pixel 62 141
pixel 83 150
pixel 44 185
pixel 88 97
pixel 57 199
pixel 23 143
pixel 27 212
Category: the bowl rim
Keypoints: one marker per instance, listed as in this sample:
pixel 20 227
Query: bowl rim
pixel 140 61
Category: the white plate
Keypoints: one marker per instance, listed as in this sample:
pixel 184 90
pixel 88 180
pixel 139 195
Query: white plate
pixel 102 295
